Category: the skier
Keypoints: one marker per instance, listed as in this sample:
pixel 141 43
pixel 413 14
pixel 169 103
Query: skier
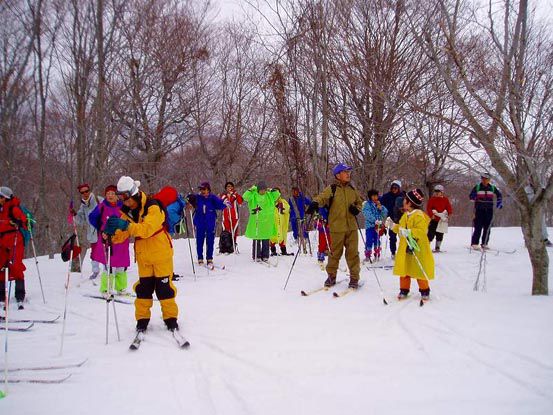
pixel 205 206
pixel 344 203
pixel 439 209
pixel 413 263
pixel 230 215
pixel 393 201
pixel 89 201
pixel 119 255
pixel 282 217
pixel 483 197
pixel 261 223
pixel 324 236
pixel 298 203
pixel 375 214
pixel 144 219
pixel 12 248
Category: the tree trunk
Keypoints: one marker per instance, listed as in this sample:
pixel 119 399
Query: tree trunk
pixel 533 237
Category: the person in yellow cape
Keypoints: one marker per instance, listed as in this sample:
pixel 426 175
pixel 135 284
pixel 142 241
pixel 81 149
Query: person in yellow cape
pixel 282 217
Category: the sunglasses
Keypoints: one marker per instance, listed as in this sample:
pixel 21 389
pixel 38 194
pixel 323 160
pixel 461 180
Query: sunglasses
pixel 84 192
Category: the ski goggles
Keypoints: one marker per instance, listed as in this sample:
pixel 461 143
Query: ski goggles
pixel 123 195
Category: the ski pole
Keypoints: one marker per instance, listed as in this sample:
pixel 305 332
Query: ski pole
pixel 189 245
pixel 295 259
pixel 195 240
pixel 109 296
pixel 6 320
pixel 37 267
pixel 73 237
pixel 372 269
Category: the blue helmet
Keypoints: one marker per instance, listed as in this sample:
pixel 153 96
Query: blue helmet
pixel 340 167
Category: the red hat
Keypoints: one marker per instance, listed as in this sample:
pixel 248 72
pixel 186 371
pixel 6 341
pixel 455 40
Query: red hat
pixel 110 188
pixel 83 185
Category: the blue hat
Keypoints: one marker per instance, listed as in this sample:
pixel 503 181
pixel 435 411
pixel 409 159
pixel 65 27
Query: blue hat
pixel 340 167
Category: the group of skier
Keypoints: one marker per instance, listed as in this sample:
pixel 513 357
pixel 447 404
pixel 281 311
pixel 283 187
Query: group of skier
pixel 125 211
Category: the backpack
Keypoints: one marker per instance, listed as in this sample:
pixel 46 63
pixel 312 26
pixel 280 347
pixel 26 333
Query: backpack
pixel 25 232
pixel 226 245
pixel 172 204
pixel 69 249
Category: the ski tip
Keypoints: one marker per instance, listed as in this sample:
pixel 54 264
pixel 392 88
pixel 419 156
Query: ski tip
pixel 133 347
pixel 384 301
pixel 421 303
pixel 304 294
pixel 336 294
pixel 186 345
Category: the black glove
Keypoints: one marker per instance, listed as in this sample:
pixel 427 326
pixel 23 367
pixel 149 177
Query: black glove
pixel 17 223
pixel 257 209
pixel 312 208
pixel 354 210
pixel 191 198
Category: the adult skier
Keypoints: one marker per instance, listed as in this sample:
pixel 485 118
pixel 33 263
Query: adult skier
pixel 439 209
pixel 12 248
pixel 344 203
pixel 261 223
pixel 483 197
pixel 205 206
pixel 143 218
pixel 393 201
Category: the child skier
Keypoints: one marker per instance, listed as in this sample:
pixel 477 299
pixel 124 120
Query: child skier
pixel 119 255
pixel 324 236
pixel 439 209
pixel 414 257
pixel 282 217
pixel 375 214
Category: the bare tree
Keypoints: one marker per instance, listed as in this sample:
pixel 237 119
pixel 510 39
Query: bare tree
pixel 497 65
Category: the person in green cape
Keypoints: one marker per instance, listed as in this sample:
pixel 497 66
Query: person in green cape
pixel 261 223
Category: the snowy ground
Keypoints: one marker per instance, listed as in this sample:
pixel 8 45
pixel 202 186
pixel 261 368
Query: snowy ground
pixel 257 349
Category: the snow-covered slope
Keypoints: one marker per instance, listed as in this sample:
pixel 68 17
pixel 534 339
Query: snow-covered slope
pixel 257 349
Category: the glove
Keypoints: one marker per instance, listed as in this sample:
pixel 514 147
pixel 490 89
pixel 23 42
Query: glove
pixel 227 203
pixel 280 207
pixel 499 204
pixel 73 212
pixel 17 223
pixel 405 232
pixel 312 208
pixel 191 198
pixel 256 210
pixel 115 223
pixel 354 210
pixel 389 222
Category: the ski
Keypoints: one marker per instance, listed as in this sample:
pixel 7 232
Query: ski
pixel 179 338
pixel 31 320
pixel 343 293
pixel 137 340
pixel 213 267
pixel 493 250
pixel 323 288
pixel 20 327
pixel 49 367
pixel 117 300
pixel 44 379
pixel 379 266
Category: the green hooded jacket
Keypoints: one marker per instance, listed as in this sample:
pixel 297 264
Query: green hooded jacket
pixel 261 225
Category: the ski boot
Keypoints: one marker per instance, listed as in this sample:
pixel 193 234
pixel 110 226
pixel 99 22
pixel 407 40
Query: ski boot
pixel 330 281
pixel 20 305
pixel 425 294
pixel 354 283
pixel 273 250
pixel 403 294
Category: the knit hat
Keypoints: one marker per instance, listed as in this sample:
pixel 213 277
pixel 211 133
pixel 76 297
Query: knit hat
pixel 82 186
pixel 438 188
pixel 127 185
pixel 396 183
pixel 205 185
pixel 110 188
pixel 6 192
pixel 261 185
pixel 416 197
pixel 340 167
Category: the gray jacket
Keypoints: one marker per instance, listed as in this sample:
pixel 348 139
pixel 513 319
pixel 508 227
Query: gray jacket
pixel 82 217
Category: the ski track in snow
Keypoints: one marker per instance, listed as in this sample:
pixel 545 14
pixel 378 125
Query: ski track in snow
pixel 256 349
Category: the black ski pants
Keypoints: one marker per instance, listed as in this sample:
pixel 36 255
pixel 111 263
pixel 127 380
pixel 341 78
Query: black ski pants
pixel 482 223
pixel 432 231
